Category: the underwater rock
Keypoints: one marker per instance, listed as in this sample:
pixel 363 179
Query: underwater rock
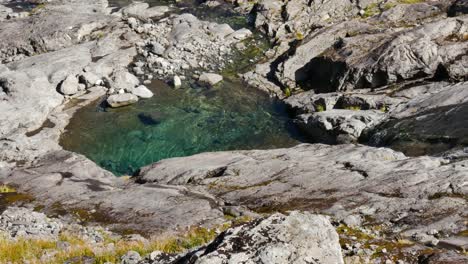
pixel 209 79
pixel 119 100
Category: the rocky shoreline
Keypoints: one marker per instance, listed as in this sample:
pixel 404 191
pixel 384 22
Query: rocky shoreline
pixel 390 75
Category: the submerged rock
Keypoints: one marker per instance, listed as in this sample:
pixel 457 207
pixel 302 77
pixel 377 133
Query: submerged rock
pixel 295 238
pixel 119 100
pixel 209 79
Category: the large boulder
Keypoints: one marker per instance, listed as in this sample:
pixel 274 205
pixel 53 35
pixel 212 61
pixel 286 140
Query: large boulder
pixel 70 85
pixel 143 11
pixel 142 92
pixel 296 238
pixel 339 125
pixel 348 56
pixel 123 80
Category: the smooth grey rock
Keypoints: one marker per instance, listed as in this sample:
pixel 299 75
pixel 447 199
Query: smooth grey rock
pixel 31 86
pixel 73 181
pixel 131 257
pixel 142 11
pixel 58 25
pixel 119 100
pixel 294 238
pixel 158 49
pixel 209 79
pixel 220 30
pixel 70 85
pixel 430 122
pixel 177 82
pixel 381 183
pixel 142 92
pixel 339 126
pixel 90 79
pixel 122 79
pixel 241 34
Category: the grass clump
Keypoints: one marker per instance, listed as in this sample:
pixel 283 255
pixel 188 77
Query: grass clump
pixel 287 92
pixel 319 108
pixel 299 36
pixel 371 10
pixel 409 2
pixel 38 8
pixel 354 108
pixel 47 250
pixel 4 188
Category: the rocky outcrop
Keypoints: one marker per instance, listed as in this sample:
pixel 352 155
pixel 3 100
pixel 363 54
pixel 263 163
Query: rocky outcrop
pixel 378 59
pixel 378 184
pixel 339 126
pixel 294 238
pixel 69 53
pixel 19 222
pixel 430 123
pixel 296 19
pixel 66 181
pixel 57 25
pixel 182 42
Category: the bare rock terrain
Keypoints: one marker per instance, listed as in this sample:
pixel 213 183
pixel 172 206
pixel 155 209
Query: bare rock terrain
pixel 370 78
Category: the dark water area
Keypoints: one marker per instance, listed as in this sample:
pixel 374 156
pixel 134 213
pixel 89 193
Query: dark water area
pixel 179 122
pixel 20 5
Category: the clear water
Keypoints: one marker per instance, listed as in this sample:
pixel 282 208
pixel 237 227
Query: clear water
pixel 185 121
pixel 178 122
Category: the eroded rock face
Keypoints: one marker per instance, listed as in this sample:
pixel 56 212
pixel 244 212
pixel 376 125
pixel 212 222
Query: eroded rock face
pixel 297 18
pixel 57 25
pixel 19 222
pixel 430 123
pixel 339 126
pixel 459 7
pixel 347 179
pixel 294 238
pixel 64 180
pixel 375 60
pixel 179 43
